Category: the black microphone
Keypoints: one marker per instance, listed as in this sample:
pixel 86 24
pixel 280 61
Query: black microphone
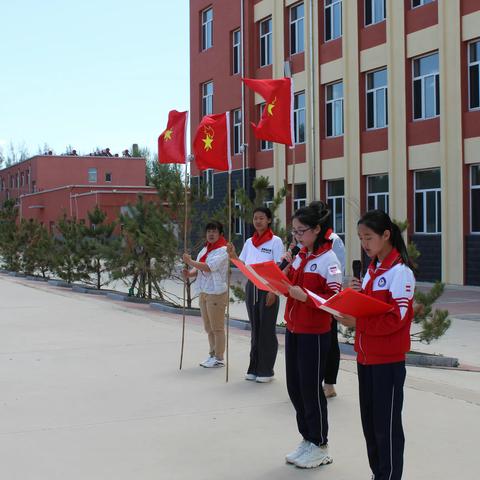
pixel 357 268
pixel 285 262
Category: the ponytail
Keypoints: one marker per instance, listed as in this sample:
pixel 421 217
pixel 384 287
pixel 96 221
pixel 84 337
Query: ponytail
pixel 379 222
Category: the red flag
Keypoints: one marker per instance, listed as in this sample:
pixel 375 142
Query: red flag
pixel 172 142
pixel 276 124
pixel 211 145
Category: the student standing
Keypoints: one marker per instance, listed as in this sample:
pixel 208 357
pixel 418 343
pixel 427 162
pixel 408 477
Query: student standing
pixel 211 270
pixel 381 342
pixel 262 307
pixel 307 338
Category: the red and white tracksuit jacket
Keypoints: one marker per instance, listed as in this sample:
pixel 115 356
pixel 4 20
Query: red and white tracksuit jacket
pixel 321 273
pixel 386 338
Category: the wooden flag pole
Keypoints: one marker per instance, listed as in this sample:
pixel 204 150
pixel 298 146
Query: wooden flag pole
pixel 185 223
pixel 227 363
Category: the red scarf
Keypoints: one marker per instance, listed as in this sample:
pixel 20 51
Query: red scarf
pixel 221 242
pixel 298 274
pixel 258 240
pixel 374 272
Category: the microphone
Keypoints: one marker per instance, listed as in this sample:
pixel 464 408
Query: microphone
pixel 285 262
pixel 357 268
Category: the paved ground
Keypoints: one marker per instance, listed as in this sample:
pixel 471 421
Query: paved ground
pixel 91 390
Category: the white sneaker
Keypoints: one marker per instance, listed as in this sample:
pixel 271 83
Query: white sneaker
pixel 207 362
pixel 313 457
pixel 264 379
pixel 292 456
pixel 215 363
pixel 250 377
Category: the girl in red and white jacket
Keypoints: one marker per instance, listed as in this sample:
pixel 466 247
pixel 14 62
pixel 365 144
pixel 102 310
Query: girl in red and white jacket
pixel 381 342
pixel 307 339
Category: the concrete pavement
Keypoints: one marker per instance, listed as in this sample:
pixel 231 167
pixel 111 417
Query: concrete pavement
pixel 91 390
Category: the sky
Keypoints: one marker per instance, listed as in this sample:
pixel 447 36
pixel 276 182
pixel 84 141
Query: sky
pixel 91 73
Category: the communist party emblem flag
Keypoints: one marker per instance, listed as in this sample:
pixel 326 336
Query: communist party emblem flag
pixel 172 142
pixel 211 145
pixel 276 124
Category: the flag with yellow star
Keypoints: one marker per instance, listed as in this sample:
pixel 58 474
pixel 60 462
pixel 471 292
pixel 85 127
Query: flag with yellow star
pixel 172 141
pixel 211 144
pixel 276 122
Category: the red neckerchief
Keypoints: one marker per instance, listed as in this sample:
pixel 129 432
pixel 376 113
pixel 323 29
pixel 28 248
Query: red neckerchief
pixel 374 272
pixel 328 233
pixel 221 242
pixel 298 274
pixel 258 240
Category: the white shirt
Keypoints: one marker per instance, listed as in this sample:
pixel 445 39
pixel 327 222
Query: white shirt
pixel 215 281
pixel 338 248
pixel 271 250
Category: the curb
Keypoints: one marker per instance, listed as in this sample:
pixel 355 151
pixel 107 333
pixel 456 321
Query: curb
pixel 88 290
pixel 169 309
pixel 60 283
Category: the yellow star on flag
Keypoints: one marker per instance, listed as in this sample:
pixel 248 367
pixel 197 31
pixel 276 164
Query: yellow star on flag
pixel 271 106
pixel 208 140
pixel 168 134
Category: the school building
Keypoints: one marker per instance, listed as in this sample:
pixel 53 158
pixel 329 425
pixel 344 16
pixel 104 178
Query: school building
pixel 386 110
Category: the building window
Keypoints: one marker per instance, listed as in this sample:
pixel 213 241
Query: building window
pixel 207 98
pixel 335 109
pixel 207 28
pixel 264 144
pixel 238 220
pixel 22 179
pixel 108 177
pixel 475 198
pixel 426 87
pixel 237 131
pixel 473 74
pixel 428 202
pixel 377 192
pixel 377 112
pixel 333 19
pixel 18 180
pixel 208 179
pixel 236 59
pixel 419 3
pixel 336 203
pixel 300 196
pixel 266 42
pixel 299 117
pixel 92 175
pixel 268 201
pixel 297 31
pixel 374 11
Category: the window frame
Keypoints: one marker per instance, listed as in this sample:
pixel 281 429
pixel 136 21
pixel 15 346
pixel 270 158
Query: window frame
pixel 294 25
pixel 238 223
pixel 438 205
pixel 473 64
pixel 237 131
pixel 377 195
pixel 374 91
pixel 236 52
pixel 207 29
pixel 332 102
pixel 472 188
pixel 422 79
pixel 89 175
pixel 333 206
pixel 297 112
pixel 421 4
pixel 374 11
pixel 108 173
pixel 207 99
pixel 265 145
pixel 331 6
pixel 299 201
pixel 208 178
pixel 266 45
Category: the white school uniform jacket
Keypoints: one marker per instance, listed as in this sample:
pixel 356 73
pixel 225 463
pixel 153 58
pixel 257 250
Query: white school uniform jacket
pixel 271 250
pixel 215 281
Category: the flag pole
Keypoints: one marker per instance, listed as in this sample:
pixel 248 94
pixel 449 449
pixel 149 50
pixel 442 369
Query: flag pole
pixel 293 178
pixel 185 223
pixel 227 363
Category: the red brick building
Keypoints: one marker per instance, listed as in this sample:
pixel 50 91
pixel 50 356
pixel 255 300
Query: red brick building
pixel 48 186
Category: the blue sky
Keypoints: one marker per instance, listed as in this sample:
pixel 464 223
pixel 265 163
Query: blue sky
pixel 91 73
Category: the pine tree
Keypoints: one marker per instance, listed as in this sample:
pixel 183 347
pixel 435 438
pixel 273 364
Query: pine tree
pixel 98 247
pixel 9 239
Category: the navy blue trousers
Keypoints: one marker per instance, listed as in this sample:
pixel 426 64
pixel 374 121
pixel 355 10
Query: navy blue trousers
pixel 305 359
pixel 381 402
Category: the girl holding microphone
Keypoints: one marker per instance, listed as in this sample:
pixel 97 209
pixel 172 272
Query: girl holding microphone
pixel 381 342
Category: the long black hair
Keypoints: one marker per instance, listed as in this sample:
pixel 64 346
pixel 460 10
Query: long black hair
pixel 265 210
pixel 380 222
pixel 313 215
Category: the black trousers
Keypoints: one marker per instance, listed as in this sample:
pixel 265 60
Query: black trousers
pixel 263 321
pixel 305 358
pixel 381 402
pixel 333 358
